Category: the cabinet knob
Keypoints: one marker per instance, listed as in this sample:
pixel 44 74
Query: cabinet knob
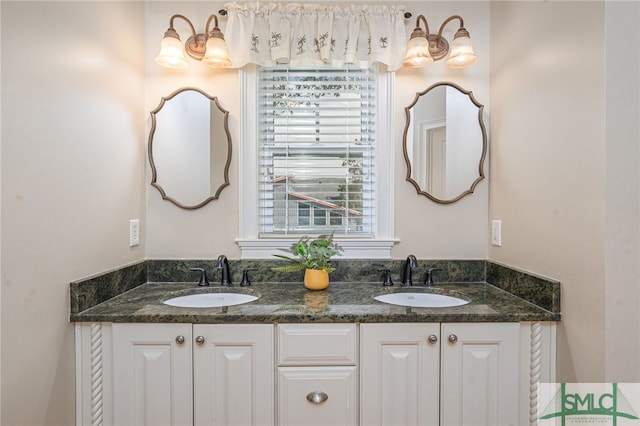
pixel 317 397
pixel 199 340
pixel 453 338
pixel 433 338
pixel 180 340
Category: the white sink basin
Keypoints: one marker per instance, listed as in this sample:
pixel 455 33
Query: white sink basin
pixel 421 300
pixel 210 300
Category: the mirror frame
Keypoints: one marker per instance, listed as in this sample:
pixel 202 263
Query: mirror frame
pixel 154 171
pixel 484 142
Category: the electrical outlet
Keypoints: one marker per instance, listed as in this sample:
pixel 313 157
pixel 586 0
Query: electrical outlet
pixel 134 232
pixel 496 232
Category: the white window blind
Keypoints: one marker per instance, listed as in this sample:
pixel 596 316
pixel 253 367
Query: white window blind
pixel 316 150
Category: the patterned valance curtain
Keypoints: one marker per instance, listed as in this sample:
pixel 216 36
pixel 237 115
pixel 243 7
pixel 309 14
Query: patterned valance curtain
pixel 315 34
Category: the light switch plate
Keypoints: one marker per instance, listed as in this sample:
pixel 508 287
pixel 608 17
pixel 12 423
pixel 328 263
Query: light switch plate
pixel 496 232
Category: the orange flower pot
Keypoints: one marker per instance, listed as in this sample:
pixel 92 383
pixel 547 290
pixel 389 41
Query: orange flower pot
pixel 316 279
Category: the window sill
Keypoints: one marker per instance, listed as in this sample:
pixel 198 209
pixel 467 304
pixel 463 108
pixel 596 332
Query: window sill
pixel 353 248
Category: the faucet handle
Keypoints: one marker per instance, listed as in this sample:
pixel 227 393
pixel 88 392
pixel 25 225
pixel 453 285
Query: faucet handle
pixel 203 276
pixel 387 277
pixel 429 279
pixel 245 277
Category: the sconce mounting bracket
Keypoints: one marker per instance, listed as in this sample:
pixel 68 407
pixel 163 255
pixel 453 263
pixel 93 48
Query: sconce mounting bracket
pixel 438 46
pixel 196 46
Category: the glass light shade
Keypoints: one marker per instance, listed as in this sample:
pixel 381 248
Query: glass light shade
pixel 462 53
pixel 216 55
pixel 172 53
pixel 417 53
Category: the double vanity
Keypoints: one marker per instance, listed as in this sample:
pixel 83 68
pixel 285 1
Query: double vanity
pixel 458 352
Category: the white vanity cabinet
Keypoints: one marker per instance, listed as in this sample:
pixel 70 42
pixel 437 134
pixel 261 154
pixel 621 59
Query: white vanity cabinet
pixel 233 374
pixel 399 374
pixel 317 374
pixel 175 374
pixel 479 374
pixel 367 374
pixel 453 373
pixel 152 374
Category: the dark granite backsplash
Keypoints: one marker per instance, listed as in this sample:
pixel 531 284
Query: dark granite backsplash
pixel 539 291
pixel 95 290
pixel 346 270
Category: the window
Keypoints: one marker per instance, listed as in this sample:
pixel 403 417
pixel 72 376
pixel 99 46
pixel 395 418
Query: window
pixel 319 219
pixel 304 214
pixel 321 216
pixel 316 147
pixel 335 219
pixel 316 156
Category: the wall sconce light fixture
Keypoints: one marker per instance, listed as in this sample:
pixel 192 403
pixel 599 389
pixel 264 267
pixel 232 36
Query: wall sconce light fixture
pixel 210 48
pixel 424 48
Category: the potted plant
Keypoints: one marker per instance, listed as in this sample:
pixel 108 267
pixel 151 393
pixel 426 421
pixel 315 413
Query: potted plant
pixel 312 256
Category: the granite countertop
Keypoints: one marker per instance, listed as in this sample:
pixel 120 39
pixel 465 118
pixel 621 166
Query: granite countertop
pixel 291 302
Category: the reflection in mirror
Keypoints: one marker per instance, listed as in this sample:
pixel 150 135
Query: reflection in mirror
pixel 189 148
pixel 444 142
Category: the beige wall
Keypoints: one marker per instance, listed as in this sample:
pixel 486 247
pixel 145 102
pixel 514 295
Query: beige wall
pixel 547 163
pixel 622 211
pixel 424 228
pixel 1 223
pixel 72 177
pixel 564 173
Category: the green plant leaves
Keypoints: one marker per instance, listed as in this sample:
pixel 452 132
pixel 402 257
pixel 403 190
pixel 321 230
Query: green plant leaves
pixel 311 254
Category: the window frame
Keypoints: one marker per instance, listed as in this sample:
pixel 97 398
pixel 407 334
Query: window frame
pixel 253 246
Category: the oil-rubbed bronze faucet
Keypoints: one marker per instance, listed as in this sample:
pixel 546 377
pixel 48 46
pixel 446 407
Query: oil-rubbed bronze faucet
pixel 409 264
pixel 223 264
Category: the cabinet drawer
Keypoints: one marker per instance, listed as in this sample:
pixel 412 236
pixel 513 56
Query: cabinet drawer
pixel 317 344
pixel 317 396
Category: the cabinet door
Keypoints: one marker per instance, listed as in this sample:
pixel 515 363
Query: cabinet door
pixel 399 374
pixel 233 374
pixel 480 374
pixel 152 382
pixel 317 396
